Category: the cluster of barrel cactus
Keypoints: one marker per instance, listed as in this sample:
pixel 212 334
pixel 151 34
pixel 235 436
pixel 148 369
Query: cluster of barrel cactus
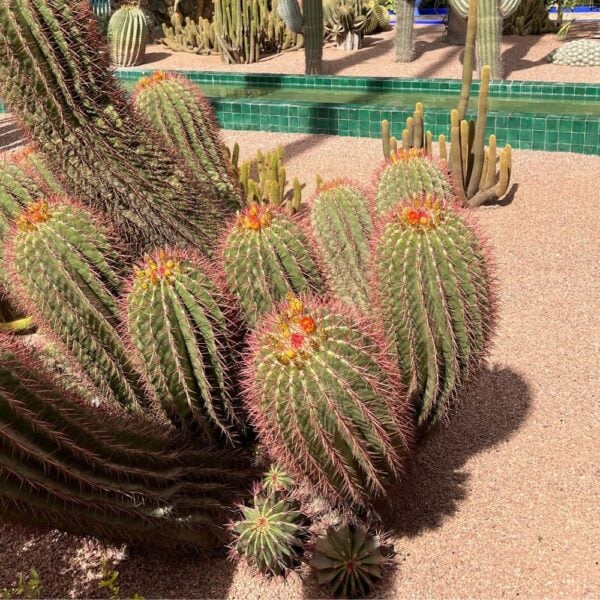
pixel 578 53
pixel 216 326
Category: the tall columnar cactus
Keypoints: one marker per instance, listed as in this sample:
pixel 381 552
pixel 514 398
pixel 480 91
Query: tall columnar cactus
pixel 61 266
pixel 86 129
pixel 433 287
pixel 490 15
pixel 127 36
pixel 342 225
pixel 308 22
pixel 407 174
pixel 346 21
pixel 270 534
pixel 326 401
pixel 405 36
pixel 182 336
pixel 186 121
pixel 265 256
pixel 86 470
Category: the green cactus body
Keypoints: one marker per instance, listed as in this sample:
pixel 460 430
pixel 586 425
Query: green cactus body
pixel 270 534
pixel 407 174
pixel 62 268
pixel 266 255
pixel 186 122
pixel 276 480
pixel 434 285
pixel 326 402
pixel 85 128
pixel 127 36
pixel 181 334
pixel 84 469
pixel 342 225
pixel 349 561
pixel 405 36
pixel 35 168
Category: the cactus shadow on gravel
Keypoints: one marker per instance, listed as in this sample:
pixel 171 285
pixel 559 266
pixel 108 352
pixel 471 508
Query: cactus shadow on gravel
pixel 493 409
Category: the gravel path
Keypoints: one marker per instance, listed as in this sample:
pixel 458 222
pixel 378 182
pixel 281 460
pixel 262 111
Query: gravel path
pixel 524 58
pixel 503 502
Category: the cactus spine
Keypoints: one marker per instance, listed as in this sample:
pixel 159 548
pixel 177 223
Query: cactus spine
pixel 61 265
pixel 434 289
pixel 186 122
pixel 326 402
pixel 127 36
pixel 405 35
pixel 342 225
pixel 85 128
pixel 266 255
pixel 182 339
pixel 308 22
pixel 86 470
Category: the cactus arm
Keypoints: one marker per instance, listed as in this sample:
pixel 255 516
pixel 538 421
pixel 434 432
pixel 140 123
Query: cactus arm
pixel 478 147
pixel 461 7
pixel 290 13
pixel 469 54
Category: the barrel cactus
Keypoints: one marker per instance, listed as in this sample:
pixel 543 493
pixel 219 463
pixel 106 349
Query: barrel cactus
pixel 187 123
pixel 265 255
pixel 127 36
pixel 61 263
pixel 270 534
pixel 434 288
pixel 326 401
pixel 183 339
pixel 342 225
pixel 410 173
pixel 349 561
pixel 276 480
pixel 578 53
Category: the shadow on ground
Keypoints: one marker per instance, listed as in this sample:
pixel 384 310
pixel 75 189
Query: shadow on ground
pixel 11 136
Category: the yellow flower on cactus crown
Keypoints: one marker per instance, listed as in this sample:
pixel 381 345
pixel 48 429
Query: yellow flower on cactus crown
pixel 36 213
pixel 424 213
pixel 255 217
pixel 161 268
pixel 149 80
pixel 404 154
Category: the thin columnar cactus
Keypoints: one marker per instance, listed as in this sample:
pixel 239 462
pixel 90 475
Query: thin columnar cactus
pixel 342 224
pixel 405 37
pixel 407 174
pixel 62 269
pixel 86 129
pixel 87 470
pixel 182 336
pixel 127 36
pixel 266 255
pixel 270 534
pixel 187 123
pixel 308 22
pixel 434 290
pixel 327 402
pixel 349 561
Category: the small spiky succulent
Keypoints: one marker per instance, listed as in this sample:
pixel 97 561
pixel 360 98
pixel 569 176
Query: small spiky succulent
pixel 407 174
pixel 270 534
pixel 578 53
pixel 276 480
pixel 348 560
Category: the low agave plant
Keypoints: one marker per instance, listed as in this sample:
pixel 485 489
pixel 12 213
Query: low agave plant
pixel 348 560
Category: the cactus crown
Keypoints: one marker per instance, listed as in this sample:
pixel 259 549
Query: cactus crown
pixel 33 215
pixel 255 217
pixel 404 154
pixel 425 212
pixel 153 79
pixel 163 267
pixel 277 480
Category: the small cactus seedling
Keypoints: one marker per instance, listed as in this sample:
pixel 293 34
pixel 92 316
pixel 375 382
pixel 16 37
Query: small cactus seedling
pixel 434 288
pixel 342 225
pixel 266 254
pixel 182 336
pixel 349 561
pixel 409 173
pixel 276 480
pixel 326 401
pixel 270 534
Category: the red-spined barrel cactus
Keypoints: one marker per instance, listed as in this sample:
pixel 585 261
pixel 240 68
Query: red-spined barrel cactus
pixel 182 333
pixel 342 224
pixel 266 255
pixel 434 288
pixel 327 402
pixel 62 264
pixel 407 174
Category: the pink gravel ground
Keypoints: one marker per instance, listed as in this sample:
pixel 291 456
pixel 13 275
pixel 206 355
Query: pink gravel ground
pixel 523 57
pixel 505 500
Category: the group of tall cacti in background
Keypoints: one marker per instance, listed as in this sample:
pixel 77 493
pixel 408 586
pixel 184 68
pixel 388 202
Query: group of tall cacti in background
pixel 206 314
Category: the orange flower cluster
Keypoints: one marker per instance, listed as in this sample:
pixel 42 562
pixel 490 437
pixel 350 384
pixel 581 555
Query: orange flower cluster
pixel 255 217
pixel 36 213
pixel 149 80
pixel 404 154
pixel 425 213
pixel 297 336
pixel 161 269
